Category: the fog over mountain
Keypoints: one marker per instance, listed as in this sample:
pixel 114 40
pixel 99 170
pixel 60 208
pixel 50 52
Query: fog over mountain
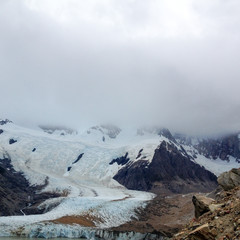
pixel 78 63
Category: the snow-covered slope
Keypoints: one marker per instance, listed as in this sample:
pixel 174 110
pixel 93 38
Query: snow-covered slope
pixel 79 164
pixel 216 166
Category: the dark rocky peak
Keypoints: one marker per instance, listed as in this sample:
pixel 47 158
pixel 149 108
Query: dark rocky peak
pixel 58 129
pixel 170 147
pixel 216 147
pixel 109 130
pixel 167 134
pixel 169 170
pixel 6 121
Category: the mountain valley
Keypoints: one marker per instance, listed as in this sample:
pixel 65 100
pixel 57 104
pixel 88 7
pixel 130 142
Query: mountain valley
pixel 105 180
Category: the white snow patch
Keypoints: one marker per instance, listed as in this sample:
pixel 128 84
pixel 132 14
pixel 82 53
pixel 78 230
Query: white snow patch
pixel 217 166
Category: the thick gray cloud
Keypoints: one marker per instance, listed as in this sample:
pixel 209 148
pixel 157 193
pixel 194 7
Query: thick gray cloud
pixel 74 62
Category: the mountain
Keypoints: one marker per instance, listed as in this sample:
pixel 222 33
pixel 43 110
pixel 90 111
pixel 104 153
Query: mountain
pixel 94 174
pixel 215 154
pixel 169 170
pixel 223 148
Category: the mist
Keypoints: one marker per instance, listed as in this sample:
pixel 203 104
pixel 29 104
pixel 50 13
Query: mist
pixel 80 63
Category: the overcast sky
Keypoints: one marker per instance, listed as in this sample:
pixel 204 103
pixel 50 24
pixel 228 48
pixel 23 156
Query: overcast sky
pixel 134 62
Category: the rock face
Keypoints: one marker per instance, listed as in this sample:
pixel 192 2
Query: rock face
pixel 121 160
pixel 215 148
pixel 169 170
pixel 6 121
pixel 12 141
pixel 202 233
pixel 167 134
pixel 220 148
pixel 201 205
pixel 229 180
pixel 17 194
pixel 78 158
pixel 217 219
pixel 222 222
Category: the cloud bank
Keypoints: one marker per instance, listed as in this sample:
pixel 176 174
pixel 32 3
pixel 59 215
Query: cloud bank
pixel 133 62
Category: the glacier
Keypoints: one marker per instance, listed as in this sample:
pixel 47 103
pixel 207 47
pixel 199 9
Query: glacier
pixel 87 185
pixel 90 187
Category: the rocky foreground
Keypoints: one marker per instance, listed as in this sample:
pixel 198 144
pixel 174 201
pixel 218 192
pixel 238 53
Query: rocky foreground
pixel 217 218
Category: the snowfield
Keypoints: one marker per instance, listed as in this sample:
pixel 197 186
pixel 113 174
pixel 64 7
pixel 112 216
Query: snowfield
pixel 89 181
pixel 79 164
pixel 216 166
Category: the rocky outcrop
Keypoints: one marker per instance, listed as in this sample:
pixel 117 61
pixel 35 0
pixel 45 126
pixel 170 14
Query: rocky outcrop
pixel 220 218
pixel 229 180
pixel 6 121
pixel 169 170
pixel 167 134
pixel 202 233
pixel 220 222
pixel 121 160
pixel 78 158
pixel 201 205
pixel 12 141
pixel 17 194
